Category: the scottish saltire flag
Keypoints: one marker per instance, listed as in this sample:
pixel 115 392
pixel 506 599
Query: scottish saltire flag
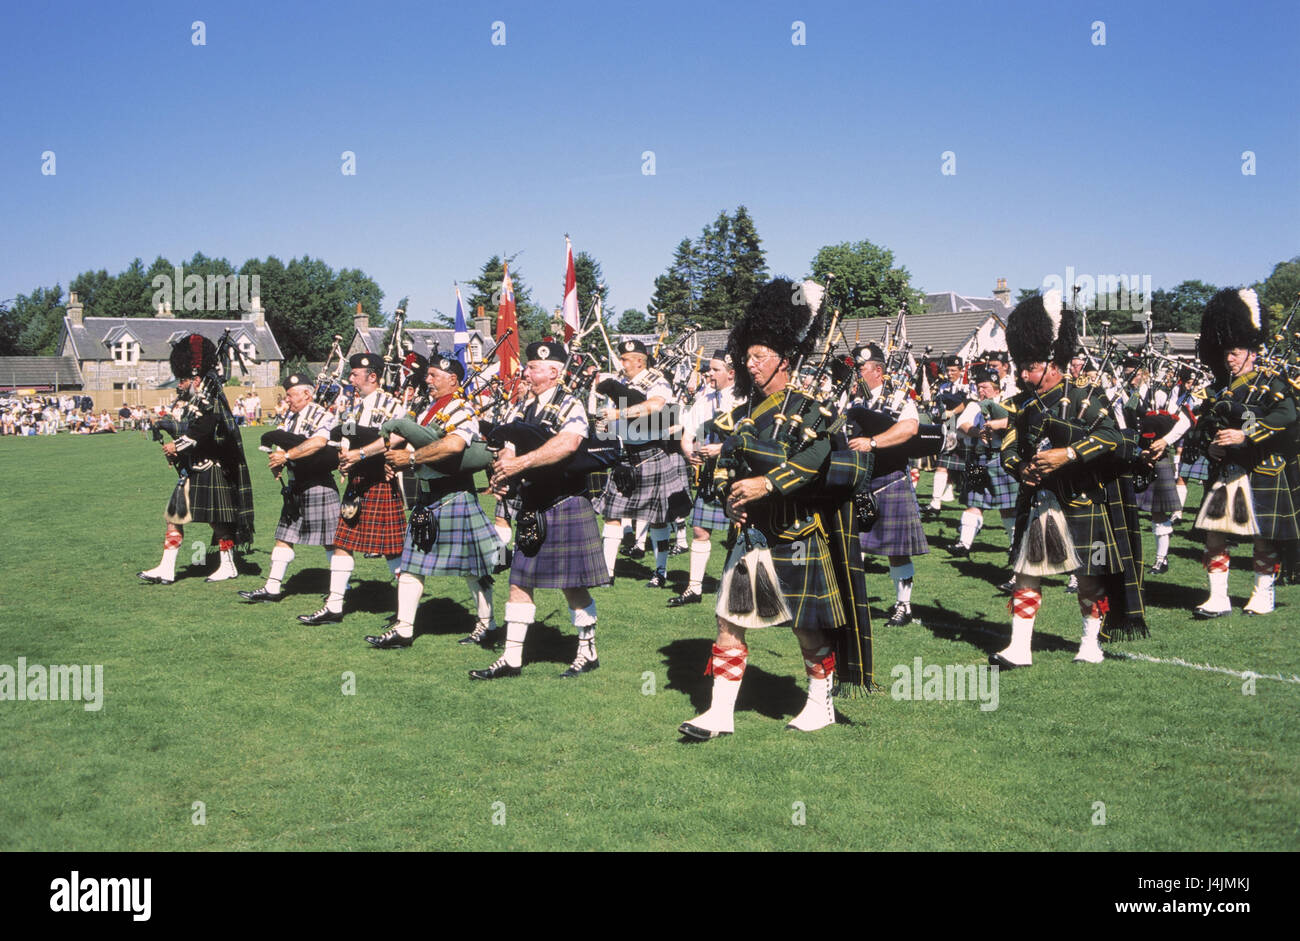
pixel 461 337
pixel 571 318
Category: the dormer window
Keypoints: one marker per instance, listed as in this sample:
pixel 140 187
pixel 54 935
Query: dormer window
pixel 126 351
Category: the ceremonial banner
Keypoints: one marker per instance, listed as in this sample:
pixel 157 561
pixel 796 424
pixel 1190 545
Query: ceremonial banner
pixel 572 320
pixel 508 352
pixel 461 336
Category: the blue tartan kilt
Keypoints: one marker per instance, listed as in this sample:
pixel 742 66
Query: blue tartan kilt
pixel 506 509
pixel 212 496
pixel 898 529
pixel 1198 470
pixel 710 516
pixel 1162 495
pixel 659 476
pixel 467 544
pixel 318 522
pixel 572 555
pixel 955 460
pixel 1003 494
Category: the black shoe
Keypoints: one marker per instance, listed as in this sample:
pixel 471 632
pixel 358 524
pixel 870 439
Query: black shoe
pixel 902 614
pixel 695 732
pixel 1008 586
pixel 1002 663
pixel 154 579
pixel 958 551
pixel 498 670
pixel 636 552
pixel 1072 586
pixel 1203 614
pixel 483 636
pixel 686 597
pixel 660 580
pixel 1161 566
pixel 929 513
pixel 678 550
pixel 580 666
pixel 625 545
pixel 390 640
pixel 323 616
pixel 260 595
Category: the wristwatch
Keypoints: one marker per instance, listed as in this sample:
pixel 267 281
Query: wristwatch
pixel 767 484
pixel 871 442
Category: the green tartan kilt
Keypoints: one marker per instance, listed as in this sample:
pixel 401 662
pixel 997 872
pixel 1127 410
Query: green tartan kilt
pixel 1095 546
pixel 807 580
pixel 1277 497
pixel 212 496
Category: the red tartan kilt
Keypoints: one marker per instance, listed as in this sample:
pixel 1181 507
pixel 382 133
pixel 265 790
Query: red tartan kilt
pixel 379 526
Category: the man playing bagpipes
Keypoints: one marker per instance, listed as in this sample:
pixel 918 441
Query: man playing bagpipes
pixel 889 429
pixel 1075 508
pixel 950 397
pixel 796 559
pixel 208 453
pixel 652 485
pixel 1160 424
pixel 985 484
pixel 1249 431
pixel 557 540
pixel 372 515
pixel 303 462
pixel 702 442
pixel 448 533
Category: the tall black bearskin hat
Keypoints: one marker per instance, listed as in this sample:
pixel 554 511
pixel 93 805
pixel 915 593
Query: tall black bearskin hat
pixel 193 355
pixel 1232 320
pixel 779 317
pixel 1039 331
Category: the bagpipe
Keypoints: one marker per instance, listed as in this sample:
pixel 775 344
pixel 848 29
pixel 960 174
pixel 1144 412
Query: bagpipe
pixel 329 386
pixel 982 450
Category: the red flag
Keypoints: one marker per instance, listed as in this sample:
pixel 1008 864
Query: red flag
pixel 508 352
pixel 572 321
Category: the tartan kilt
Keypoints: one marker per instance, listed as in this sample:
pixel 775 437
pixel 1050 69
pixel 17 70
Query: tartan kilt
pixel 803 571
pixel 660 475
pixel 1277 497
pixel 212 496
pixel 898 529
pixel 955 460
pixel 380 524
pixel 1197 470
pixel 597 481
pixel 572 556
pixel 1089 525
pixel 710 516
pixel 1162 495
pixel 1003 495
pixel 506 509
pixel 318 522
pixel 467 544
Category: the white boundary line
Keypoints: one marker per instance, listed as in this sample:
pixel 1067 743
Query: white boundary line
pixel 1146 658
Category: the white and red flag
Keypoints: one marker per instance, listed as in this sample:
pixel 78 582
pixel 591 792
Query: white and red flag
pixel 572 321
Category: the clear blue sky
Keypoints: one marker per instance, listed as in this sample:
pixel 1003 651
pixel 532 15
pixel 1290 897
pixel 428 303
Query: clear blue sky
pixel 1122 158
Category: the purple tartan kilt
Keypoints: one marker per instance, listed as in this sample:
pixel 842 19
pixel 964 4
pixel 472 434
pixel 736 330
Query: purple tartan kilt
pixel 954 460
pixel 1162 495
pixel 1197 470
pixel 898 529
pixel 710 516
pixel 659 476
pixel 572 555
pixel 379 526
pixel 466 544
pixel 318 522
pixel 1003 496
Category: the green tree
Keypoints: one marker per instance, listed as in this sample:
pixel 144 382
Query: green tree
pixel 676 295
pixel 534 321
pixel 38 318
pixel 1279 290
pixel 9 330
pixel 633 321
pixel 1179 310
pixel 746 265
pixel 867 284
pixel 591 280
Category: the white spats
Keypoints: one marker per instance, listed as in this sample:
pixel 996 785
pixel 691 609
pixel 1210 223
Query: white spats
pixel 1018 652
pixel 612 535
pixel 166 569
pixel 728 668
pixel 281 556
pixel 1218 602
pixel 1261 599
pixel 819 711
pixel 226 568
pixel 341 567
pixel 700 550
pixel 1090 644
pixel 519 615
pixel 409 589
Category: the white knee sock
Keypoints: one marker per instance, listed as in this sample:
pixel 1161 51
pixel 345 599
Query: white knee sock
pixel 1162 532
pixel 281 556
pixel 659 536
pixel 972 521
pixel 341 567
pixel 584 619
pixel 409 589
pixel 482 598
pixel 612 536
pixel 700 550
pixel 902 576
pixel 940 485
pixel 519 615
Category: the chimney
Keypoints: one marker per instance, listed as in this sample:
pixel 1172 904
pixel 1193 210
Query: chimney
pixel 165 309
pixel 75 310
pixel 361 320
pixel 1002 293
pixel 483 323
pixel 256 315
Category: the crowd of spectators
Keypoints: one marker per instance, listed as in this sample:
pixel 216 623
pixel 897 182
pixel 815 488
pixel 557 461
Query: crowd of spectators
pixel 75 414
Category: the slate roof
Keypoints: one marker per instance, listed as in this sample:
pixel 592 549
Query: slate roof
pixel 21 371
pixel 422 339
pixel 92 340
pixel 1180 344
pixel 950 302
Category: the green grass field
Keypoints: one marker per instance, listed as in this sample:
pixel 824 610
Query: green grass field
pixel 241 708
